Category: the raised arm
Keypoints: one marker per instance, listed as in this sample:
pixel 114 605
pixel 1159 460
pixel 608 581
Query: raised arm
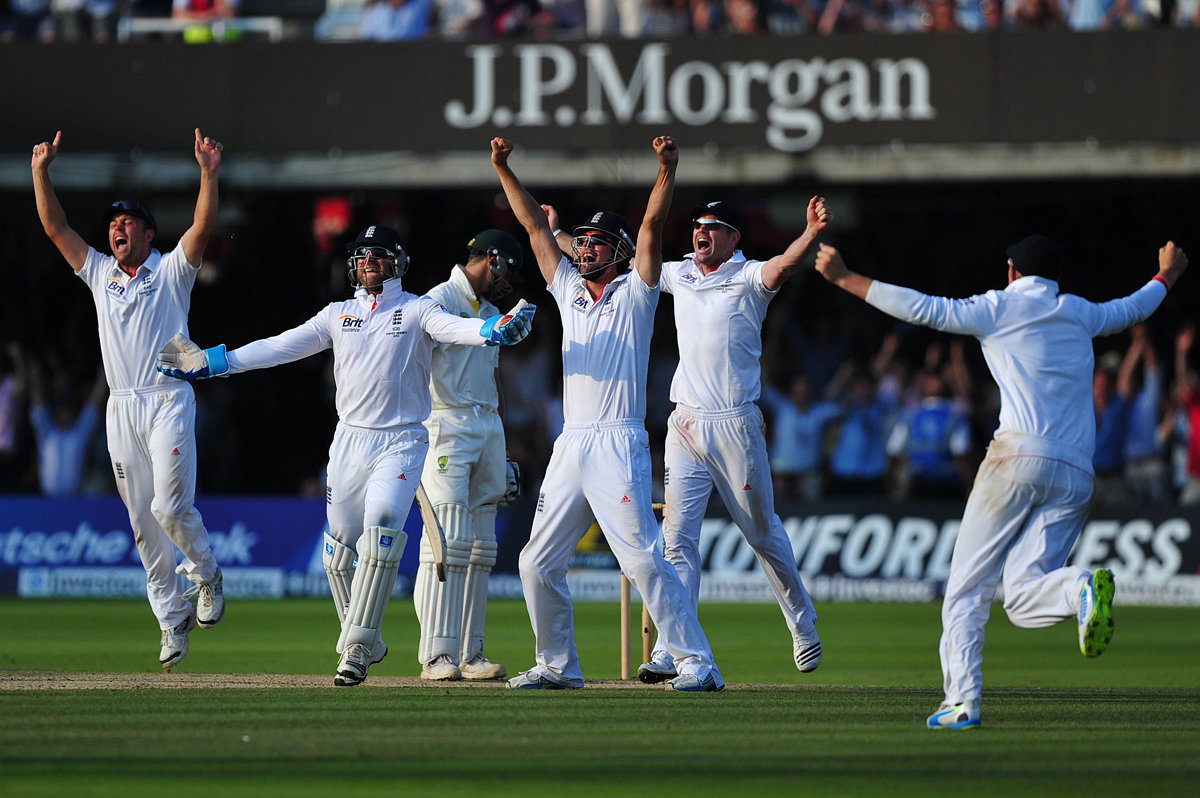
pixel 564 240
pixel 648 258
pixel 195 240
pixel 781 267
pixel 972 316
pixel 529 213
pixel 1135 353
pixel 1118 314
pixel 54 221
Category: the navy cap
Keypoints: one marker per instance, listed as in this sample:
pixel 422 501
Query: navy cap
pixel 133 208
pixel 1037 256
pixel 721 211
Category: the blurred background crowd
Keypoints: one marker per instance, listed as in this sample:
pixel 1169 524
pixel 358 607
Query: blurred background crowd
pixel 856 406
pixel 197 21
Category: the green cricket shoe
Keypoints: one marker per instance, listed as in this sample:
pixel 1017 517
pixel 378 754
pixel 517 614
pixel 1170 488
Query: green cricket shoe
pixel 1095 613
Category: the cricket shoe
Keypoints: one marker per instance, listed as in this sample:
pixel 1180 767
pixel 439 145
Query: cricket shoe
pixel 210 600
pixel 955 716
pixel 441 669
pixel 536 679
pixel 1095 613
pixel 175 641
pixel 378 651
pixel 690 683
pixel 660 668
pixel 480 667
pixel 352 669
pixel 806 649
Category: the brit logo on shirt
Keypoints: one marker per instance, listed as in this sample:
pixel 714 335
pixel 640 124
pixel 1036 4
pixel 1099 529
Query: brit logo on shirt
pixel 115 287
pixel 688 277
pixel 580 303
pixel 350 323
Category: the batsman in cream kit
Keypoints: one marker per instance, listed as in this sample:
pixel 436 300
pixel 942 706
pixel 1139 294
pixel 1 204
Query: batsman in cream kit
pixel 142 298
pixel 467 473
pixel 382 343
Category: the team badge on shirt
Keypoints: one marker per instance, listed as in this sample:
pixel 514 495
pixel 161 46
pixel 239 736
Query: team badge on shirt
pixel 442 462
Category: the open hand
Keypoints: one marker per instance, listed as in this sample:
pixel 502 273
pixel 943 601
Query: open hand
pixel 45 152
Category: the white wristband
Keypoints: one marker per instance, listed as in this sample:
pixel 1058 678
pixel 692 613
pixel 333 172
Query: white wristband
pixel 556 232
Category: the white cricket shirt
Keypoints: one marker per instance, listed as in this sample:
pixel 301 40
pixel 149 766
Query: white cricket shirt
pixel 463 376
pixel 381 352
pixel 719 318
pixel 606 346
pixel 1038 346
pixel 138 315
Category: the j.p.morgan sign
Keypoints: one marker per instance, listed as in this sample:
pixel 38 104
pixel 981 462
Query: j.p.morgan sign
pixel 796 97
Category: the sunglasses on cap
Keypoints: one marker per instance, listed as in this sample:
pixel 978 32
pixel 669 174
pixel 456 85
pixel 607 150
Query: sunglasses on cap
pixel 699 223
pixel 133 208
pixel 379 253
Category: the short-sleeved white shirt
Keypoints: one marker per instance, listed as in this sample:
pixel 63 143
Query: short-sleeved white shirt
pixel 605 347
pixel 463 376
pixel 138 315
pixel 719 318
pixel 381 352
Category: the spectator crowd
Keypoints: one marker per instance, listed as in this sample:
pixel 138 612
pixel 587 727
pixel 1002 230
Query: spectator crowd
pixel 912 422
pixel 397 20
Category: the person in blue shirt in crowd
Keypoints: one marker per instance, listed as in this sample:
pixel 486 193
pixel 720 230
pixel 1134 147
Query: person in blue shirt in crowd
pixel 797 445
pixel 1112 395
pixel 858 465
pixel 932 440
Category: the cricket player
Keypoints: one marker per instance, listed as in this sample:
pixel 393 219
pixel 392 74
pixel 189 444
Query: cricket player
pixel 715 434
pixel 467 473
pixel 382 340
pixel 142 299
pixel 600 468
pixel 1034 488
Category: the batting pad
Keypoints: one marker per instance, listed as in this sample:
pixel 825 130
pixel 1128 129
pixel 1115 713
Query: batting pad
pixel 483 558
pixel 339 567
pixel 379 551
pixel 440 604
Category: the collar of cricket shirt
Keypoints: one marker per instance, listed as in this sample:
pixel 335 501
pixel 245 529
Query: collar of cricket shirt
pixel 1033 285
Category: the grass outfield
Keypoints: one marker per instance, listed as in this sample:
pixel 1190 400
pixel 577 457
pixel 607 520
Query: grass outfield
pixel 1055 723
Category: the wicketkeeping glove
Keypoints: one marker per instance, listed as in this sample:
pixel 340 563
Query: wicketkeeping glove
pixel 512 484
pixel 511 327
pixel 183 360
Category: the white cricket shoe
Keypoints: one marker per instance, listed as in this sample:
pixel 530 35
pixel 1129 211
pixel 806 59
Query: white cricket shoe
pixel 352 670
pixel 690 683
pixel 480 667
pixel 175 641
pixel 537 679
pixel 441 669
pixel 378 651
pixel 806 648
pixel 659 669
pixel 210 600
pixel 955 716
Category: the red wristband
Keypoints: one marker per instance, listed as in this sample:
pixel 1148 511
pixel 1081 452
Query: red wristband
pixel 1162 280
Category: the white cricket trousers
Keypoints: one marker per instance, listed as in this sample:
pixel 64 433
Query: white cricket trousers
pixel 372 478
pixel 152 444
pixel 1022 518
pixel 728 448
pixel 601 472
